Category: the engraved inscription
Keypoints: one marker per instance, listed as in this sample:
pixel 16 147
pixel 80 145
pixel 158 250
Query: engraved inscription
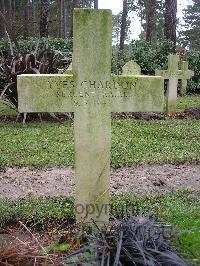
pixel 99 92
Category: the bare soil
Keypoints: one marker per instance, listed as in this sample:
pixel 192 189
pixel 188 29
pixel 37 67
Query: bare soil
pixel 189 113
pixel 56 181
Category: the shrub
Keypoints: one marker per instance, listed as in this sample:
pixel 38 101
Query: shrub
pixel 193 57
pixel 27 45
pixel 154 56
pixel 44 61
pixel 148 56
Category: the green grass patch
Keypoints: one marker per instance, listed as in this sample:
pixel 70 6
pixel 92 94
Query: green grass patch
pixel 43 144
pixel 181 209
pixel 187 102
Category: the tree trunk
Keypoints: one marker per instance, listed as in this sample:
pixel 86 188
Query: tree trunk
pixel 74 5
pixel 34 8
pixel 2 25
pixel 96 4
pixel 150 15
pixel 26 18
pixel 62 15
pixel 170 20
pixel 62 19
pixel 44 18
pixel 13 17
pixel 123 25
pixel 60 29
pixel 10 15
pixel 69 18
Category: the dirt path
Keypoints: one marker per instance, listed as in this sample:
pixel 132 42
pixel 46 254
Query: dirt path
pixel 17 182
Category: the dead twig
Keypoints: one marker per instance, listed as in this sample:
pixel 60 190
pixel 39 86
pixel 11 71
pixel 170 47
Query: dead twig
pixel 37 241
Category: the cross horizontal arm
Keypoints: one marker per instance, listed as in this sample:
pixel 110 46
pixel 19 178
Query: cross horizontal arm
pixel 179 75
pixel 55 93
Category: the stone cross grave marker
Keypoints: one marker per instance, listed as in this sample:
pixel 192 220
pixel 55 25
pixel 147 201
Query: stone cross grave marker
pixel 131 68
pixel 92 94
pixel 173 74
pixel 186 74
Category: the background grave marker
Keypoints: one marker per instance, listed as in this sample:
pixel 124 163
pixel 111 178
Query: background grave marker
pixel 92 93
pixel 131 68
pixel 173 74
pixel 186 74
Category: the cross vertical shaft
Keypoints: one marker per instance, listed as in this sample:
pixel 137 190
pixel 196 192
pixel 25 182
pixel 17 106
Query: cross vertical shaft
pixel 184 80
pixel 172 83
pixel 92 66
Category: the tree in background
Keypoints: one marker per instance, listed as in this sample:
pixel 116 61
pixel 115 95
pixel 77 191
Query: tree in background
pixel 7 17
pixel 2 24
pixel 26 18
pixel 191 34
pixel 116 27
pixel 96 4
pixel 123 24
pixel 170 20
pixel 150 7
pixel 33 18
pixel 62 18
pixel 44 18
pixel 151 17
pixel 11 14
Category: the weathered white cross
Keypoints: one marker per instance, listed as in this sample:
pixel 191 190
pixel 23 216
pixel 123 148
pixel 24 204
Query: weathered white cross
pixel 173 74
pixel 92 94
pixel 186 74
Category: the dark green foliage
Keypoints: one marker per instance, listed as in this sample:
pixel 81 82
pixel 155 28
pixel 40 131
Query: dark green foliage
pixel 148 56
pixel 154 56
pixel 27 45
pixel 193 57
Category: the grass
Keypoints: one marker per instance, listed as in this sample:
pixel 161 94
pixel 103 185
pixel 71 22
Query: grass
pixel 187 101
pixel 180 209
pixel 132 142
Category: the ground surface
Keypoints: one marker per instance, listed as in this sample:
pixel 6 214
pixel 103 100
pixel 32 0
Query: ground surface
pixel 54 181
